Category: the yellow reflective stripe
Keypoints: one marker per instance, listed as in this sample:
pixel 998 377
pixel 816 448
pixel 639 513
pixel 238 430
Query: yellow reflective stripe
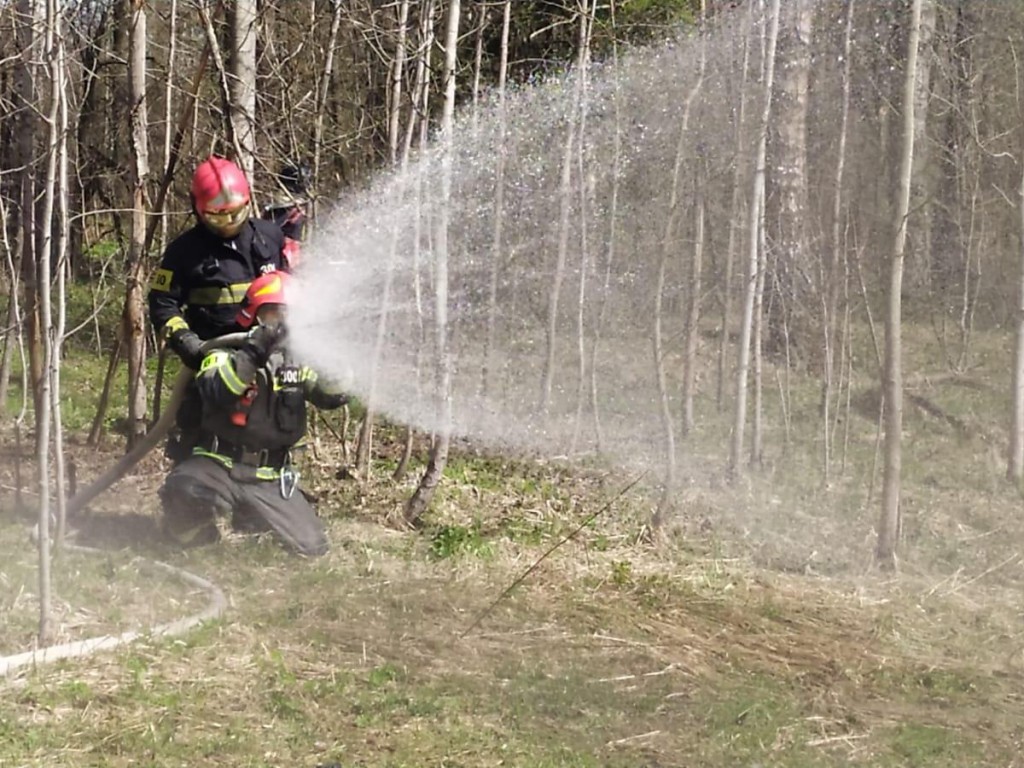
pixel 227 294
pixel 228 463
pixel 162 280
pixel 262 473
pixel 231 380
pixel 221 361
pixel 176 323
pixel 308 374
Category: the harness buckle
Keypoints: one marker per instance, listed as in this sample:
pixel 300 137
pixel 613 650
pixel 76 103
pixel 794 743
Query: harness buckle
pixel 289 478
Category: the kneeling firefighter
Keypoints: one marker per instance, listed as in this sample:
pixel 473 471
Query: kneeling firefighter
pixel 253 405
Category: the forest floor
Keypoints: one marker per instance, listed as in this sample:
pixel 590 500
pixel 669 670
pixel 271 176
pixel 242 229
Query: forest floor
pixel 755 634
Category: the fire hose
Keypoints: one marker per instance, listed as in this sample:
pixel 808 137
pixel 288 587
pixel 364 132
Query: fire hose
pixel 217 602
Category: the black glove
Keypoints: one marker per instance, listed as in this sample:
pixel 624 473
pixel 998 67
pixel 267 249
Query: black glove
pixel 188 346
pixel 261 341
pixel 330 400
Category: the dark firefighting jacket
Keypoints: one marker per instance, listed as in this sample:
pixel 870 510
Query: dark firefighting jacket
pixel 202 278
pixel 254 413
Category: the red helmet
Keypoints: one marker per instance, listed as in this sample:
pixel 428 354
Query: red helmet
pixel 270 288
pixel 220 196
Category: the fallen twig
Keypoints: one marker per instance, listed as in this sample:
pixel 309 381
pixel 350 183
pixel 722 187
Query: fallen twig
pixel 587 521
pixel 628 739
pixel 1012 558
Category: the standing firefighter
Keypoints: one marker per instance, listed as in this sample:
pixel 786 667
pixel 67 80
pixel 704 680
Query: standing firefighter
pixel 253 405
pixel 205 271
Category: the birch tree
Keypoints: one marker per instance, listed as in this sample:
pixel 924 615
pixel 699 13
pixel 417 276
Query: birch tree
pixel 497 230
pixel 691 328
pixel 564 224
pixel 586 24
pixel 323 90
pixel 789 176
pixel 829 280
pixel 134 312
pixel 242 89
pixel 364 444
pixel 668 251
pixel 47 394
pixel 29 21
pixel 726 280
pixel 753 240
pixel 416 127
pixel 12 324
pixel 62 230
pixel 611 237
pixel 421 498
pixel 889 519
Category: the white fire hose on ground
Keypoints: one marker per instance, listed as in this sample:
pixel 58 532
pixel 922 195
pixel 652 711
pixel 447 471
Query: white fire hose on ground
pixel 216 603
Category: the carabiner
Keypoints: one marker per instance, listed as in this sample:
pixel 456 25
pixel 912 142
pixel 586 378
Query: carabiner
pixel 289 482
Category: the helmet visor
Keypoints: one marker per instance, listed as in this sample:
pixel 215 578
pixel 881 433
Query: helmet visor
pixel 226 222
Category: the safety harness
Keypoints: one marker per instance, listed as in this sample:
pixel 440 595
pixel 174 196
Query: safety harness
pixel 241 460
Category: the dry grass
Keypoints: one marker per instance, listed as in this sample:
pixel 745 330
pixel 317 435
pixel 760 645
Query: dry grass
pixel 755 633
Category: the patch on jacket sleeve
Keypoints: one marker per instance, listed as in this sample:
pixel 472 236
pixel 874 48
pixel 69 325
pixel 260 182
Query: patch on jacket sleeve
pixel 162 280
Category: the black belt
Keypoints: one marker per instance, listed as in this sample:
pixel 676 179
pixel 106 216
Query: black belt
pixel 265 457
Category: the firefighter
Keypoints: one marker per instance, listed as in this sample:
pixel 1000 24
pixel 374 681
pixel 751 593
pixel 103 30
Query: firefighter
pixel 253 404
pixel 205 271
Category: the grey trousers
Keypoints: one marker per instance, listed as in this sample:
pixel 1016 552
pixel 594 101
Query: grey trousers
pixel 200 488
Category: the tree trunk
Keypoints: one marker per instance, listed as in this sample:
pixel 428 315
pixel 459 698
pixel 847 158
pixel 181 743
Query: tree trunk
pixel 587 11
pixel 12 324
pixel 668 248
pixel 789 179
pixel 754 225
pixel 558 272
pixel 364 445
pixel 1015 466
pixel 397 82
pixel 692 326
pixel 169 89
pixel 47 395
pixel 419 116
pixel 734 218
pixel 243 83
pixel 224 82
pixel 829 291
pixel 421 498
pixel 692 329
pixel 134 314
pixel 613 223
pixel 760 319
pixel 889 519
pixel 63 269
pixel 324 90
pixel 29 20
pixel 922 190
pixel 497 232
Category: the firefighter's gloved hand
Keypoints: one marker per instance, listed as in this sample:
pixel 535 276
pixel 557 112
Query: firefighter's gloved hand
pixel 262 340
pixel 188 346
pixel 331 400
